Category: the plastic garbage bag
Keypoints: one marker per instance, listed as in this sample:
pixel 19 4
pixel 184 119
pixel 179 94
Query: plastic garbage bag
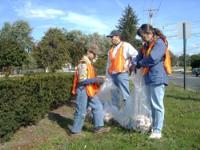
pixel 137 112
pixel 111 98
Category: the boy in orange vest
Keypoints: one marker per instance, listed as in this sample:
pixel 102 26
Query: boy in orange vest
pixel 86 86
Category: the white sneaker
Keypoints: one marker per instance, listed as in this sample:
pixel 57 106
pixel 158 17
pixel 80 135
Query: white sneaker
pixel 155 135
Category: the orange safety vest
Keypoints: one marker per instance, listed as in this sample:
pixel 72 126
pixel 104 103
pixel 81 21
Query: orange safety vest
pixel 166 59
pixel 117 62
pixel 91 89
pixel 167 62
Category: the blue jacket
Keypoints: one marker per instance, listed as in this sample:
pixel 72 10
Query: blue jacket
pixel 157 74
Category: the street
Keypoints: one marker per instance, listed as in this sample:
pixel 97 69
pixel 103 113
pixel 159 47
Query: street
pixel 192 82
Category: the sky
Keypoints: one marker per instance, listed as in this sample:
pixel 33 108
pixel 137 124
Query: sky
pixel 102 16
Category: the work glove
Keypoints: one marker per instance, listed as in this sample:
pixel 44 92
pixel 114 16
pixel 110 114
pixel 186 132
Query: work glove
pixel 99 80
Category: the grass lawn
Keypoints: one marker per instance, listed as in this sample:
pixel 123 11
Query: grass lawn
pixel 181 130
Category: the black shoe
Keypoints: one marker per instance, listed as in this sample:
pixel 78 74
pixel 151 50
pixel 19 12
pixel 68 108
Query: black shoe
pixel 74 134
pixel 101 129
pixel 78 134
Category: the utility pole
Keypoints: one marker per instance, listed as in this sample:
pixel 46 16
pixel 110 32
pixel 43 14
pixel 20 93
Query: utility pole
pixel 150 14
pixel 184 52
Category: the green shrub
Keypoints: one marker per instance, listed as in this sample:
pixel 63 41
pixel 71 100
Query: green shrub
pixel 25 100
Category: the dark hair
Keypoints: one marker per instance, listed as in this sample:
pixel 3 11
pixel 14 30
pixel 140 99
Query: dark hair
pixel 159 33
pixel 147 28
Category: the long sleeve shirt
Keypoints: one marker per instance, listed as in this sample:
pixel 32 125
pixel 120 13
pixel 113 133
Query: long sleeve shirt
pixel 129 52
pixel 157 74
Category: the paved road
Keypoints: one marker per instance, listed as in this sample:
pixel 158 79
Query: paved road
pixel 192 82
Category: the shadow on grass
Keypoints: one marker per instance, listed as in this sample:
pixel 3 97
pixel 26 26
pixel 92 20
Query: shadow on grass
pixel 180 97
pixel 118 128
pixel 62 121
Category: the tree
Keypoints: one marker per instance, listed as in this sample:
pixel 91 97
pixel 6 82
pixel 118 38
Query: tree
pixel 101 41
pixel 181 60
pixel 78 45
pixel 30 62
pixel 21 33
pixel 195 61
pixel 52 51
pixel 15 41
pixel 103 44
pixel 174 58
pixel 128 26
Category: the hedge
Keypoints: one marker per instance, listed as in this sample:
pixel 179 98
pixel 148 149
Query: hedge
pixel 25 100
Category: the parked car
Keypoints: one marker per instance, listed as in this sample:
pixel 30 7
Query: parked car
pixel 196 71
pixel 181 70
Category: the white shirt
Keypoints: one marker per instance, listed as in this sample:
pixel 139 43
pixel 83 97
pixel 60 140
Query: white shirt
pixel 128 51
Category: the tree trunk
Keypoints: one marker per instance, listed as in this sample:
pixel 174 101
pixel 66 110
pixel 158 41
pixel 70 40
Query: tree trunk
pixel 7 71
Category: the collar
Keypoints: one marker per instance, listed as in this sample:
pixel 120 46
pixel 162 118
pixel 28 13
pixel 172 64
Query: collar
pixel 85 59
pixel 118 45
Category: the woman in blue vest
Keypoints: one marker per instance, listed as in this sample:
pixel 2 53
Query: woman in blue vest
pixel 150 59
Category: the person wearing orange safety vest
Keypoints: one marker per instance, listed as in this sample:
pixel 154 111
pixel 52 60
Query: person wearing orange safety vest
pixel 119 57
pixel 86 86
pixel 151 60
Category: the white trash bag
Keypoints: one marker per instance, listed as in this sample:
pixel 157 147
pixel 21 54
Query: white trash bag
pixel 140 104
pixel 137 113
pixel 110 97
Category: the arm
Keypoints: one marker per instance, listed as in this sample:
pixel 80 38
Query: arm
pixel 156 55
pixel 137 58
pixel 98 80
pixel 135 61
pixel 132 52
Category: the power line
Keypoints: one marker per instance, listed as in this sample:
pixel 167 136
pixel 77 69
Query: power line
pixel 144 7
pixel 171 36
pixel 196 21
pixel 167 30
pixel 150 14
pixel 193 22
pixel 151 3
pixel 158 8
pixel 157 13
pixel 196 33
pixel 191 48
pixel 160 5
pixel 192 34
pixel 170 28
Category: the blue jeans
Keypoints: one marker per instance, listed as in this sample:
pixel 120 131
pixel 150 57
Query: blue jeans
pixel 82 102
pixel 121 80
pixel 156 95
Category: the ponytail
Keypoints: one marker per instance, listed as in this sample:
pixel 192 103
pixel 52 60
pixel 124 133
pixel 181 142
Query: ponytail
pixel 159 33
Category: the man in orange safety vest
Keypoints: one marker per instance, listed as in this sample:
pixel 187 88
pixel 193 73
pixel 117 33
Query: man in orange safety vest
pixel 119 57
